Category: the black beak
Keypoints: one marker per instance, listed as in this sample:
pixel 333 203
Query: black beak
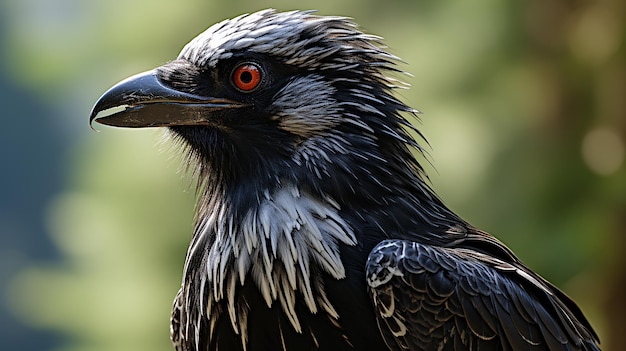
pixel 144 101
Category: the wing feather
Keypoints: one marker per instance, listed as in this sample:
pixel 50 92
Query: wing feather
pixel 438 298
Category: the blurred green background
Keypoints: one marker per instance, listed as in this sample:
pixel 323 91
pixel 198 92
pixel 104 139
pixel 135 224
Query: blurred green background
pixel 524 106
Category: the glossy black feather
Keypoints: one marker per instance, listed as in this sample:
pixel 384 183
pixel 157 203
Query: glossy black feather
pixel 452 298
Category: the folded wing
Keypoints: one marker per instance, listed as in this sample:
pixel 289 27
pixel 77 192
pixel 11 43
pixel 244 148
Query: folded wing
pixel 439 298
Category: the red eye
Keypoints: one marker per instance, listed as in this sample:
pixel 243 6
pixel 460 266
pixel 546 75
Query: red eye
pixel 247 77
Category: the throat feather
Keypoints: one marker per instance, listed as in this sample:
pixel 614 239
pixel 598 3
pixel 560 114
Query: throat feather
pixel 280 245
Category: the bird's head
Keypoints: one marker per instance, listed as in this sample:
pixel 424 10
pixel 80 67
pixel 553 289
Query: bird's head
pixel 270 97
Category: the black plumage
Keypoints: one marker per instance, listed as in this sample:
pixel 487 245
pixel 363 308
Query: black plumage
pixel 315 227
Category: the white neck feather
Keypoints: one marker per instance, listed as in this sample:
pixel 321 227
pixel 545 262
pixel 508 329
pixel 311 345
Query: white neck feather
pixel 275 245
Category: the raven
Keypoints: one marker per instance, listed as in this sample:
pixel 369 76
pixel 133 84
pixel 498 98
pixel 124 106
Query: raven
pixel 316 228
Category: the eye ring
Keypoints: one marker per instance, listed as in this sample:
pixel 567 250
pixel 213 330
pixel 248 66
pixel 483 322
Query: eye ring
pixel 247 77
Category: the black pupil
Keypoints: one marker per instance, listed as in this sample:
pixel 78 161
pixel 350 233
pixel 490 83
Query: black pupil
pixel 246 77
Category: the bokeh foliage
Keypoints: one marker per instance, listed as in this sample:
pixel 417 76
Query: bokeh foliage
pixel 523 106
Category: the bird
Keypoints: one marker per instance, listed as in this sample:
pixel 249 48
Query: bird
pixel 316 225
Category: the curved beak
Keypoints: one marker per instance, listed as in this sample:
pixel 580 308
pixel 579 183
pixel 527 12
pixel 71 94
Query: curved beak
pixel 144 101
